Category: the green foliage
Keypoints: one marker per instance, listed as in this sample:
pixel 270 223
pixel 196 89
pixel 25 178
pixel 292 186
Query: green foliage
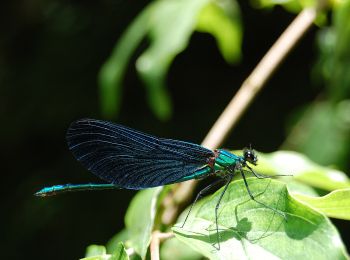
pixel 222 20
pixel 335 204
pixel 170 251
pixel 169 25
pixel 290 5
pixel 333 65
pixel 303 170
pixel 296 6
pixel 139 219
pixel 249 230
pixel 95 252
pixel 122 236
pixel 112 72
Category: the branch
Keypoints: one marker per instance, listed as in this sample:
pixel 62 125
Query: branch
pixel 157 237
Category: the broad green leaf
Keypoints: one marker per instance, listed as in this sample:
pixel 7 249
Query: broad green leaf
pixel 335 204
pixel 249 230
pixel 302 169
pixel 139 219
pixel 118 254
pixel 170 251
pixel 222 20
pixel 295 186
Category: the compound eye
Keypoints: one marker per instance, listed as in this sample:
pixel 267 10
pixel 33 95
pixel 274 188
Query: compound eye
pixel 251 157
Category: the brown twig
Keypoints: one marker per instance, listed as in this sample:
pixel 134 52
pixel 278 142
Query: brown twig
pixel 157 237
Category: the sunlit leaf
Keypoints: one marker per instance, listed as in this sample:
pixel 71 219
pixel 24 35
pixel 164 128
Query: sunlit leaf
pixel 99 253
pixel 113 243
pixel 112 72
pixel 302 169
pixel 120 253
pixel 298 187
pixel 249 230
pixel 170 251
pixel 139 219
pixel 222 20
pixel 172 23
pixel 95 250
pixel 335 204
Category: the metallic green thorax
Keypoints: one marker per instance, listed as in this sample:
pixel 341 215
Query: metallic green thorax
pixel 225 160
pixel 222 162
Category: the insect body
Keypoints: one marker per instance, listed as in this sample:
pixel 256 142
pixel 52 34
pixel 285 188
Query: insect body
pixel 127 158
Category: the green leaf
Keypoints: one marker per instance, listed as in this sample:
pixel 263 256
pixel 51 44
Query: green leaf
pixel 112 72
pixel 170 251
pixel 302 169
pixel 139 219
pixel 249 230
pixel 335 204
pixel 95 250
pixel 113 243
pixel 300 188
pixel 99 253
pixel 169 25
pixel 120 253
pixel 222 20
pixel 323 133
pixel 172 24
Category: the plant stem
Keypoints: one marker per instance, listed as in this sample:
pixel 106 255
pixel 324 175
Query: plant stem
pixel 157 237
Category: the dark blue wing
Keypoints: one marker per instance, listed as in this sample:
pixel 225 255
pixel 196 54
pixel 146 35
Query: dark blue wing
pixel 132 159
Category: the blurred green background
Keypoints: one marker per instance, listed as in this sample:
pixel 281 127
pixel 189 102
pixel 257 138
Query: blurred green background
pixel 51 53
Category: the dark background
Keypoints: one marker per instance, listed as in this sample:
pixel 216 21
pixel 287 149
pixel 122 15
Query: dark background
pixel 50 55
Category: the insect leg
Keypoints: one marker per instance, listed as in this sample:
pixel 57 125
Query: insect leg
pixel 229 179
pixel 199 195
pixel 263 204
pixel 259 176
